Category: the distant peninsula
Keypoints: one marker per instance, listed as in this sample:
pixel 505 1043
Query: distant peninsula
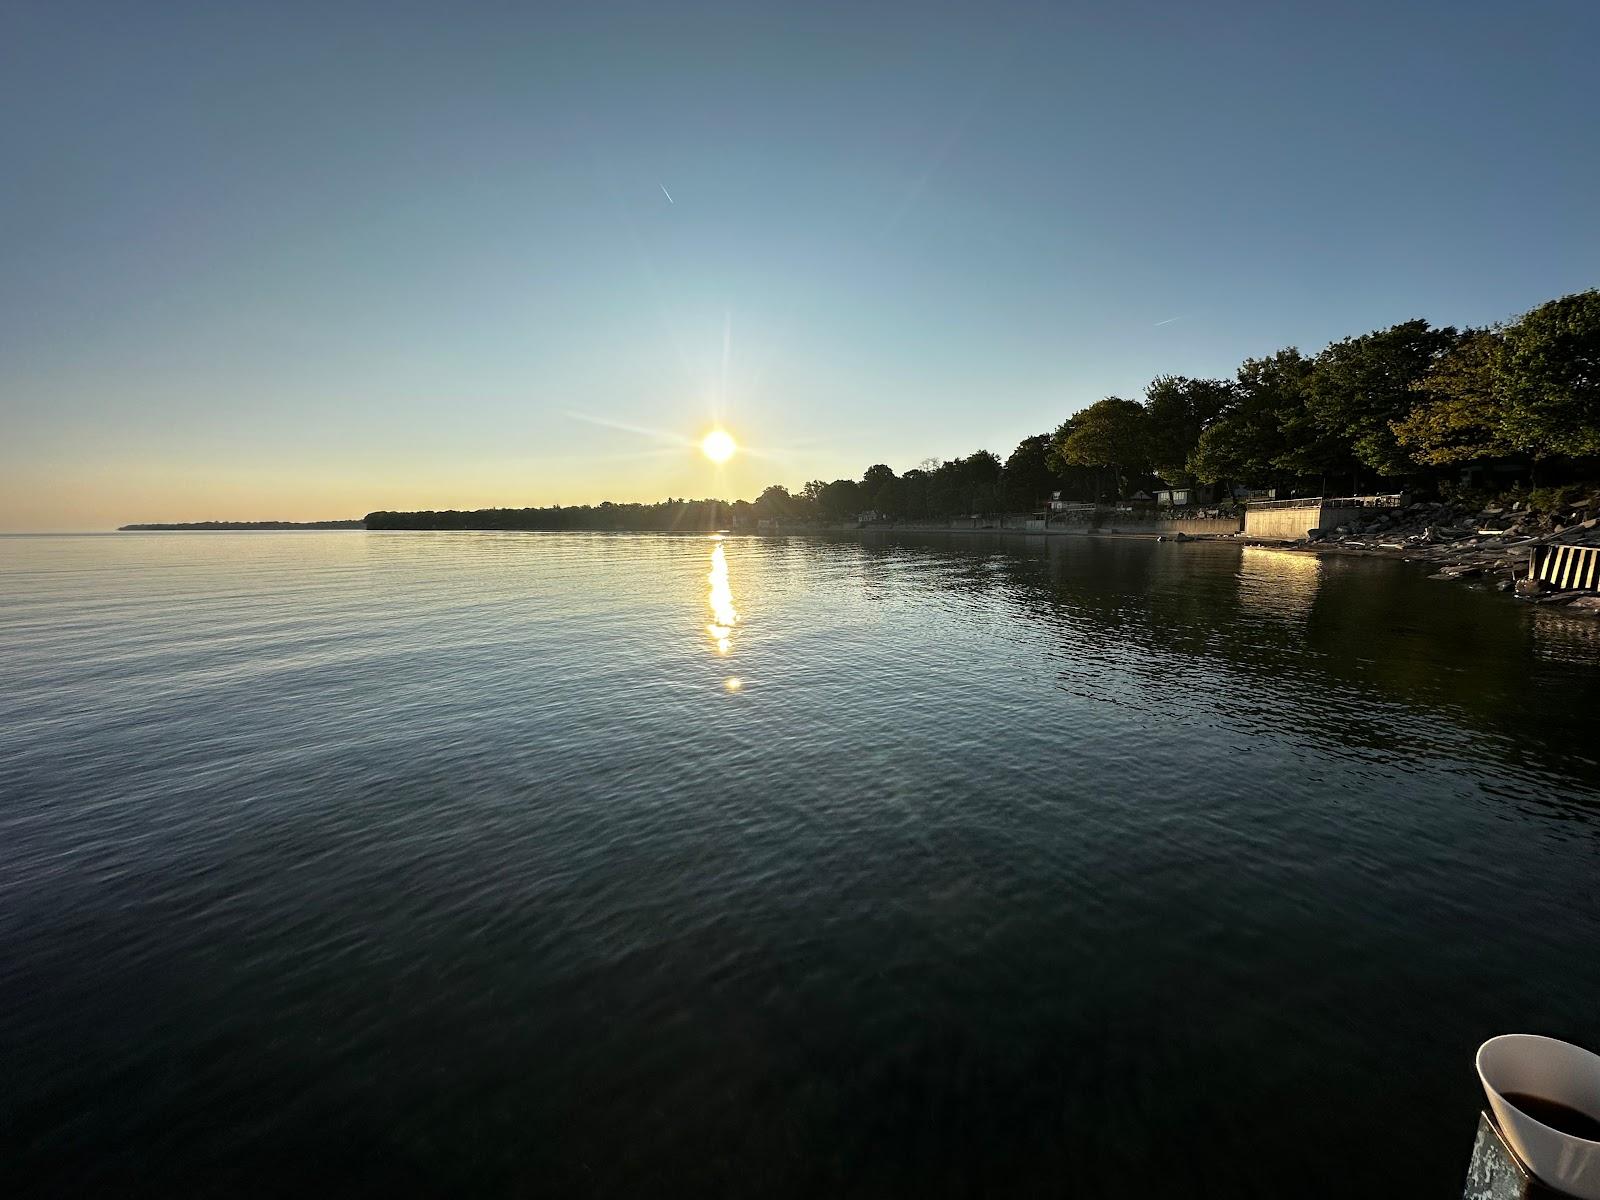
pixel 240 526
pixel 669 516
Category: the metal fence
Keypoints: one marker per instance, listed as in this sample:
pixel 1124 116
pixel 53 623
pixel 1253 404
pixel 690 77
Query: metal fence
pixel 1391 501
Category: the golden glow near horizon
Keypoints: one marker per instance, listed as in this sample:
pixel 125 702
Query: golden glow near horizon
pixel 718 446
pixel 723 614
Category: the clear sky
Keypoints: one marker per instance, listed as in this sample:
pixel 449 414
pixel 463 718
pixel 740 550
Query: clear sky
pixel 306 260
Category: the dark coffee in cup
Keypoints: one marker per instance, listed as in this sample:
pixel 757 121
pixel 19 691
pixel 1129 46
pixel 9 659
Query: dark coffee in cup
pixel 1562 1117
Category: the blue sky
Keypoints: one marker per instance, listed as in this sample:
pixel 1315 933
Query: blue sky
pixel 307 260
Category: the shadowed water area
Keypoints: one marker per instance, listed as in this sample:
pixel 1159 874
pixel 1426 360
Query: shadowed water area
pixel 459 862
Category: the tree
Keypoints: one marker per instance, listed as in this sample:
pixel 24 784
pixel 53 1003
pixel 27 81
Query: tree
pixel 879 488
pixel 1179 409
pixel 1028 479
pixel 1247 443
pixel 774 503
pixel 978 478
pixel 1306 447
pixel 876 476
pixel 1112 433
pixel 840 500
pixel 1460 411
pixel 1550 373
pixel 945 498
pixel 1361 385
pixel 913 495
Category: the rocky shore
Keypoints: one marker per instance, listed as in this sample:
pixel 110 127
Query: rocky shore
pixel 1492 545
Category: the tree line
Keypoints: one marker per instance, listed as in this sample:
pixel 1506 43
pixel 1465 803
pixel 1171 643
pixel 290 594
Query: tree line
pixel 667 516
pixel 1414 405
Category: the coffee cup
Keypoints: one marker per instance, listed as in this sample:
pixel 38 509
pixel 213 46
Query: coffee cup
pixel 1545 1096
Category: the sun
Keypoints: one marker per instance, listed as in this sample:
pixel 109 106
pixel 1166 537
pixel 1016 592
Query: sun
pixel 718 445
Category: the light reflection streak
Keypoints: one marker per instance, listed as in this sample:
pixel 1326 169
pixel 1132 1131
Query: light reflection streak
pixel 1279 583
pixel 723 614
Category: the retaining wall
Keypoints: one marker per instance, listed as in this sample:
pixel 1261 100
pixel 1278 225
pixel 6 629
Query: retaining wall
pixel 1291 524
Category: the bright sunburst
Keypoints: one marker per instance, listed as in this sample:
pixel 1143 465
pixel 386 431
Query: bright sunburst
pixel 718 446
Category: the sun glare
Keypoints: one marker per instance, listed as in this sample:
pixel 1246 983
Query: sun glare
pixel 718 446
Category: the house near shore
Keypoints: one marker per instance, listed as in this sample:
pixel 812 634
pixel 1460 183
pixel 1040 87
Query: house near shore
pixel 1201 494
pixel 1056 505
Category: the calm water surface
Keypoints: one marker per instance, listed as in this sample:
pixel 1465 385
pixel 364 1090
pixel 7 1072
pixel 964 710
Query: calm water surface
pixel 460 863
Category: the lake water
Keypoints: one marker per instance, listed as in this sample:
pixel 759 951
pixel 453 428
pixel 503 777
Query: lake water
pixel 461 863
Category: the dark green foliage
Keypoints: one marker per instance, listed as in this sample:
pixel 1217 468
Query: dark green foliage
pixel 1179 410
pixel 240 526
pixel 1550 376
pixel 1413 398
pixel 841 500
pixel 1112 433
pixel 1028 479
pixel 676 516
pixel 1358 388
pixel 1460 409
pixel 1401 401
pixel 880 488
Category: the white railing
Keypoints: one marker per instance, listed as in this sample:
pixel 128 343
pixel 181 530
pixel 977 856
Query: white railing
pixel 1389 501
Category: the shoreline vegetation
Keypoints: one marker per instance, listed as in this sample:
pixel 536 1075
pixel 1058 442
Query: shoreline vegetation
pixel 1503 415
pixel 237 526
pixel 1500 418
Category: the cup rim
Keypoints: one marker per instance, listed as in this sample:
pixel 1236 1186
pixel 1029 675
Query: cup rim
pixel 1539 1037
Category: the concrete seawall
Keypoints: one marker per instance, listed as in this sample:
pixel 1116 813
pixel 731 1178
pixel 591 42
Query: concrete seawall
pixel 1291 523
pixel 1109 525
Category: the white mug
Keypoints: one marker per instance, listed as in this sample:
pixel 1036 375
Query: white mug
pixel 1552 1070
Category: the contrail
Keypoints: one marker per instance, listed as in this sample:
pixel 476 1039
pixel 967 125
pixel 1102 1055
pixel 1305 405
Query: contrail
pixel 661 435
pixel 666 193
pixel 1168 321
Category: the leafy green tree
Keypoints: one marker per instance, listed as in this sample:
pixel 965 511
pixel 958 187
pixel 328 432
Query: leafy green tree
pixel 1179 409
pixel 1112 433
pixel 840 500
pixel 1460 411
pixel 1550 373
pixel 1247 443
pixel 774 503
pixel 1361 385
pixel 1028 479
pixel 879 488
pixel 980 474
pixel 913 495
pixel 1281 384
pixel 876 476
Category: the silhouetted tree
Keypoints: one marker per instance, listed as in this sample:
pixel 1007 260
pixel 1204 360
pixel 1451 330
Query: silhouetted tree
pixel 1179 410
pixel 1112 433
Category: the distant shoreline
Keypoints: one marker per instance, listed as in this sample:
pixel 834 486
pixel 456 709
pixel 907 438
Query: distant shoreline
pixel 235 526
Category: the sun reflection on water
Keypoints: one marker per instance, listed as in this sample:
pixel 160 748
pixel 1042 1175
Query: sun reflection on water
pixel 1280 584
pixel 723 614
